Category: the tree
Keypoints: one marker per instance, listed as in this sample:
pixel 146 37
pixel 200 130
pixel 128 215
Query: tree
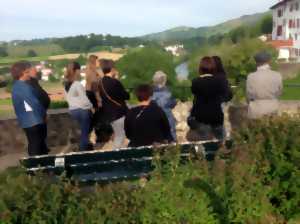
pixel 3 52
pixel 31 53
pixel 266 25
pixel 139 66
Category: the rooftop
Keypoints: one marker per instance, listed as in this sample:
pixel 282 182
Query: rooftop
pixel 280 3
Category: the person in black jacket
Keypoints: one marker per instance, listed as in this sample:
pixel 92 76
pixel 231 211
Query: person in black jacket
pixel 147 124
pixel 114 106
pixel 210 91
pixel 42 94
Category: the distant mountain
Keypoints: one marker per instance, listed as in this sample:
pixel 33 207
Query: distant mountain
pixel 184 32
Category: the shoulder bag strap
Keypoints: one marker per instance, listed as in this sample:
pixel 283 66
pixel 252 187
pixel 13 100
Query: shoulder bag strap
pixel 108 97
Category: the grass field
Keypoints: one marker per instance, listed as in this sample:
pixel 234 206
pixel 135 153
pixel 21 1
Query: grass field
pixel 291 90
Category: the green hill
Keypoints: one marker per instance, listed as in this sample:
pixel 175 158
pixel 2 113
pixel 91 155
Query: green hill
pixel 183 32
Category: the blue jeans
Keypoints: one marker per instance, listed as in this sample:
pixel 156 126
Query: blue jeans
pixel 84 118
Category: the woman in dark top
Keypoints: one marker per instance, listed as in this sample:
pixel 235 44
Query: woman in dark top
pixel 114 106
pixel 221 73
pixel 147 124
pixel 209 93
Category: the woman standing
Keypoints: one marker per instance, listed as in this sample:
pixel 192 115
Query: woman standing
pixel 163 97
pixel 92 82
pixel 114 98
pixel 147 124
pixel 207 118
pixel 79 105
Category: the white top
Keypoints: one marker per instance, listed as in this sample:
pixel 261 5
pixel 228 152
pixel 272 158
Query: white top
pixel 76 97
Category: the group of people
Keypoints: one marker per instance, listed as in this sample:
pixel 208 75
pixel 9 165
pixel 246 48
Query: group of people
pixel 101 104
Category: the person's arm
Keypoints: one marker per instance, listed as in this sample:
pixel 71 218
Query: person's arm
pixel 165 126
pixel 127 126
pixel 227 92
pixel 122 93
pixel 26 97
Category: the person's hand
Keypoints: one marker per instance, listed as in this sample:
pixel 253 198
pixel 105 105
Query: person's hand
pixel 99 104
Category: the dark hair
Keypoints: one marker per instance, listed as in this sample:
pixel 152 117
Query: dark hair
pixel 17 70
pixel 219 66
pixel 71 68
pixel 143 92
pixel 207 66
pixel 106 65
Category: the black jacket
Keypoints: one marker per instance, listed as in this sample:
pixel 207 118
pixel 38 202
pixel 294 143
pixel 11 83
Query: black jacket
pixel 146 125
pixel 43 96
pixel 116 91
pixel 209 93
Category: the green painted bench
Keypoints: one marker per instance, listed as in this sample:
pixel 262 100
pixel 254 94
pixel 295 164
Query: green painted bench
pixel 112 166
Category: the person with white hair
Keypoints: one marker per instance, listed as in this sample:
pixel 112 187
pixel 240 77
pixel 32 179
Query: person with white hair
pixel 164 99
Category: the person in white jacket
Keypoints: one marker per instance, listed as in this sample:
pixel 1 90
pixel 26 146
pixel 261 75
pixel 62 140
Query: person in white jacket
pixel 79 105
pixel 264 87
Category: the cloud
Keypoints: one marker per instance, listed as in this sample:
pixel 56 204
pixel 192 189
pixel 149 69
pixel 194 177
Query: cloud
pixel 41 18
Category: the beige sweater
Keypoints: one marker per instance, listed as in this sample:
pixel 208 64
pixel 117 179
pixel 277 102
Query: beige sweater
pixel 264 87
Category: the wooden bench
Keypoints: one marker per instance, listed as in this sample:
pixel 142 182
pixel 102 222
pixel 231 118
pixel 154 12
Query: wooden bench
pixel 111 166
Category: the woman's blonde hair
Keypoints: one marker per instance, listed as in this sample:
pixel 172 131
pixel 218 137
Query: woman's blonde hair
pixel 160 79
pixel 71 70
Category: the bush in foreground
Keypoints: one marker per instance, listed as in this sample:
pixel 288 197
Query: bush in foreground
pixel 258 183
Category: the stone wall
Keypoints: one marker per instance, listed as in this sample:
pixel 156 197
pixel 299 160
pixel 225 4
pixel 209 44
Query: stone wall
pixel 62 132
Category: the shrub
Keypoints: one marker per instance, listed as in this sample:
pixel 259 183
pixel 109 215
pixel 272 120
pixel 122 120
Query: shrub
pixel 31 53
pixel 258 183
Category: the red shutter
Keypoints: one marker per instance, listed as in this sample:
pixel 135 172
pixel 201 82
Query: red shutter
pixel 290 23
pixel 279 31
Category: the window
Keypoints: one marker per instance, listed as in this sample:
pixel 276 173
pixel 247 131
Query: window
pixel 297 6
pixel 291 7
pixel 290 23
pixel 296 37
pixel 290 37
pixel 280 13
pixel 294 23
pixel 298 23
pixel 279 31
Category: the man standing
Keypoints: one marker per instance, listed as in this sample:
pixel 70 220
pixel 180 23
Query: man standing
pixel 263 88
pixel 30 111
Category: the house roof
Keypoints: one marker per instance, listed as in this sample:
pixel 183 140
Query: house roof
pixel 282 43
pixel 280 3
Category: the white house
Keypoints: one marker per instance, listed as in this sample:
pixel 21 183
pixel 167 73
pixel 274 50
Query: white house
pixel 175 49
pixel 286 29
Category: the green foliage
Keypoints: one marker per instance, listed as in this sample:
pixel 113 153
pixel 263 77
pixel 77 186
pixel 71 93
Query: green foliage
pixel 139 66
pixel 58 105
pixel 84 43
pixel 3 52
pixel 258 183
pixel 31 53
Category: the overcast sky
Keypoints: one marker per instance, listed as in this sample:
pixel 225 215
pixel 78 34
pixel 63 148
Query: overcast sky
pixel 27 19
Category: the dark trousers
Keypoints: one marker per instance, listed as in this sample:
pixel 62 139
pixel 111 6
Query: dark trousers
pixel 84 119
pixel 37 136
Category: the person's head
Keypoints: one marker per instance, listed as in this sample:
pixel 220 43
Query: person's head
pixel 219 65
pixel 21 70
pixel 107 66
pixel 160 79
pixel 73 71
pixel 144 92
pixel 207 66
pixel 92 62
pixel 262 58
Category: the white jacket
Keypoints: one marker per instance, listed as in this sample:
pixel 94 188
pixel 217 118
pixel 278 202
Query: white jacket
pixel 76 97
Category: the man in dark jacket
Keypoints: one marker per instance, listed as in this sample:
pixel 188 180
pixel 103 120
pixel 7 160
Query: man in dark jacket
pixel 30 111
